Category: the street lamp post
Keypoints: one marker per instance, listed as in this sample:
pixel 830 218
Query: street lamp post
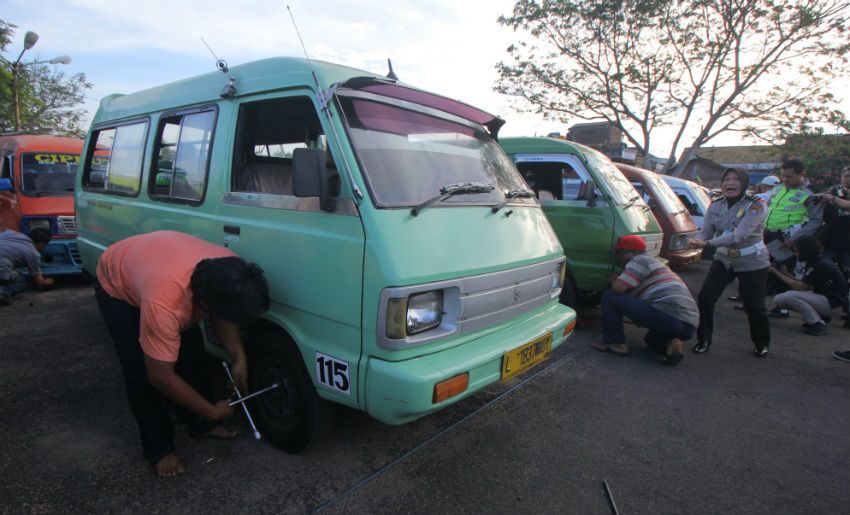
pixel 30 39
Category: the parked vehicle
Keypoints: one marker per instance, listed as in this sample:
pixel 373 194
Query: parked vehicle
pixel 589 204
pixel 677 224
pixel 37 190
pixel 408 268
pixel 694 197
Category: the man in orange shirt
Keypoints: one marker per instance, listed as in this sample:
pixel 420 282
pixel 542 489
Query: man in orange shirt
pixel 152 291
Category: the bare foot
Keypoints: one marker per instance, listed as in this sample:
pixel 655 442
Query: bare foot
pixel 169 466
pixel 220 432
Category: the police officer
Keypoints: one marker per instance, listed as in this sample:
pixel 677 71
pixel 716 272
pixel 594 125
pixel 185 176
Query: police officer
pixel 734 225
pixel 792 212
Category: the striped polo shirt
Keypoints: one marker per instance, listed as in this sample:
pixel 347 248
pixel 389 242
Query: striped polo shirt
pixel 652 282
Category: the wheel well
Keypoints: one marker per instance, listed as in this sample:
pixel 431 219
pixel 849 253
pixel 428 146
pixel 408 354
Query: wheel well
pixel 263 327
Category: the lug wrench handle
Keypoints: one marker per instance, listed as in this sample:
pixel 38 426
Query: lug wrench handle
pixel 257 435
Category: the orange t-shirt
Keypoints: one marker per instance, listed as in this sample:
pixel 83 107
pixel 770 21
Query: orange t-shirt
pixel 152 272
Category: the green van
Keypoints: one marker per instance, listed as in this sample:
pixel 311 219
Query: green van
pixel 409 266
pixel 589 204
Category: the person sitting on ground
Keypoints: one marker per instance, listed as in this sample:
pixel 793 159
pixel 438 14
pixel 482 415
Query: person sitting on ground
pixel 818 292
pixel 152 291
pixel 651 295
pixel 17 250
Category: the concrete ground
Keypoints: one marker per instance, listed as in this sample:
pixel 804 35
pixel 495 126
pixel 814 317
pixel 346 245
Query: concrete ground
pixel 723 432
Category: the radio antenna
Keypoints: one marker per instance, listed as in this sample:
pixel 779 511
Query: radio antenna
pixel 221 64
pixel 325 102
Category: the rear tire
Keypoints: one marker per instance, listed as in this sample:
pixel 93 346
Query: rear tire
pixel 292 416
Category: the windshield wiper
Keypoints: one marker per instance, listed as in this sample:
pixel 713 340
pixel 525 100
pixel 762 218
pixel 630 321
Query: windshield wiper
pixel 450 190
pixel 512 194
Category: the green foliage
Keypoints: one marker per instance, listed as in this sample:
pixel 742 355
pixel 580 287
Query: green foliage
pixel 822 154
pixel 49 100
pixel 698 66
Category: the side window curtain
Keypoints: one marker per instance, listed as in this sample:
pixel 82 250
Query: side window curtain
pixel 114 164
pixel 182 159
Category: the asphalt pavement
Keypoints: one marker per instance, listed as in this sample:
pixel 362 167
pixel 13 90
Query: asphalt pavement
pixel 723 432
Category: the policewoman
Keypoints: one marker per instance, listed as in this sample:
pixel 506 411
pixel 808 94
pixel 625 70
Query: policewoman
pixel 733 225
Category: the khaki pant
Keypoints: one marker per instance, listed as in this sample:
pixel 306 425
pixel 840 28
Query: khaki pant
pixel 811 305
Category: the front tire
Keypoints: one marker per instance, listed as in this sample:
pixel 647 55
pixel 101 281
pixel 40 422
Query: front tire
pixel 292 416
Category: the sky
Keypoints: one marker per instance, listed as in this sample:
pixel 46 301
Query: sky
pixel 449 47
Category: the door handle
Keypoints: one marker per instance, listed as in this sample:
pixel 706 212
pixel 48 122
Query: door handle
pixel 232 229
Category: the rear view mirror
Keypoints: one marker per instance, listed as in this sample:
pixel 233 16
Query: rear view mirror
pixel 6 185
pixel 310 176
pixel 587 192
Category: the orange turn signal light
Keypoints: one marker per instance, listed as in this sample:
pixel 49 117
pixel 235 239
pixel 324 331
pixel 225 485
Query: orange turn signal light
pixel 568 330
pixel 451 387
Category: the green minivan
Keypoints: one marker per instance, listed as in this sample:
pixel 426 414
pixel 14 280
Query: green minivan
pixel 409 265
pixel 589 203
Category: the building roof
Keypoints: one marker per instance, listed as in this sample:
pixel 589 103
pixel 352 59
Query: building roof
pixel 741 155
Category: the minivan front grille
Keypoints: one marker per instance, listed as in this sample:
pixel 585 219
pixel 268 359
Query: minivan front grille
pixel 476 302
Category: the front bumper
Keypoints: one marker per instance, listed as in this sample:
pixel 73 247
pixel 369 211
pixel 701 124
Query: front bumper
pixel 683 257
pixel 398 392
pixel 59 258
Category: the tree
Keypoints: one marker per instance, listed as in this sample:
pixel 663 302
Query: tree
pixel 824 155
pixel 49 101
pixel 696 66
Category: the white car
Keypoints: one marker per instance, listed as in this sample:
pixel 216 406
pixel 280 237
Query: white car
pixel 695 197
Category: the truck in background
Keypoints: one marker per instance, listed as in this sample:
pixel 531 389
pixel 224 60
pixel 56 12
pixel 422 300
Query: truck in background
pixel 37 190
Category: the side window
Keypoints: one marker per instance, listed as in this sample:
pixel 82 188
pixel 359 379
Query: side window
pixel 553 180
pixel 6 167
pixel 269 132
pixel 692 208
pixel 182 156
pixel 114 163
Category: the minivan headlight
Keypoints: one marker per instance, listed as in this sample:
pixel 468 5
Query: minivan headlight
pixel 38 223
pixel 414 314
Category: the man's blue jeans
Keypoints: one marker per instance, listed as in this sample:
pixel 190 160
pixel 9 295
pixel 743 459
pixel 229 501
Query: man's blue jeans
pixel 16 284
pixel 662 327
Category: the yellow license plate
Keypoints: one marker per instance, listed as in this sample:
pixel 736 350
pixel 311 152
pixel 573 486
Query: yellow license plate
pixel 520 359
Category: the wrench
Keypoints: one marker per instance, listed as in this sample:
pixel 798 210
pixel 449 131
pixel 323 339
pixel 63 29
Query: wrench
pixel 239 398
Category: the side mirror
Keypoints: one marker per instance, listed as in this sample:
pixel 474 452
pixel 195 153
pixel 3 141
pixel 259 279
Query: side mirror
pixel 311 177
pixel 587 192
pixel 652 203
pixel 6 185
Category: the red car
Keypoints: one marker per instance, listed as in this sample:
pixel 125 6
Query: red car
pixel 671 214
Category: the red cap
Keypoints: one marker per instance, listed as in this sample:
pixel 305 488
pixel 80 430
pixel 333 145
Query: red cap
pixel 630 242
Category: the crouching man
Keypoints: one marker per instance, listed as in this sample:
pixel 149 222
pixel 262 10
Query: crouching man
pixel 18 250
pixel 152 291
pixel 652 296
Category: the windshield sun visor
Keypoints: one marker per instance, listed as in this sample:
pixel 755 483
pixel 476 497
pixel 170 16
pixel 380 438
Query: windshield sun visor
pixel 388 89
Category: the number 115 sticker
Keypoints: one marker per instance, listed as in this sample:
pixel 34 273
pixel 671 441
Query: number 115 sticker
pixel 333 373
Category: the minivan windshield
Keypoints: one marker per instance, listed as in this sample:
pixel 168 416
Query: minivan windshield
pixel 619 187
pixel 670 203
pixel 48 173
pixel 411 153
